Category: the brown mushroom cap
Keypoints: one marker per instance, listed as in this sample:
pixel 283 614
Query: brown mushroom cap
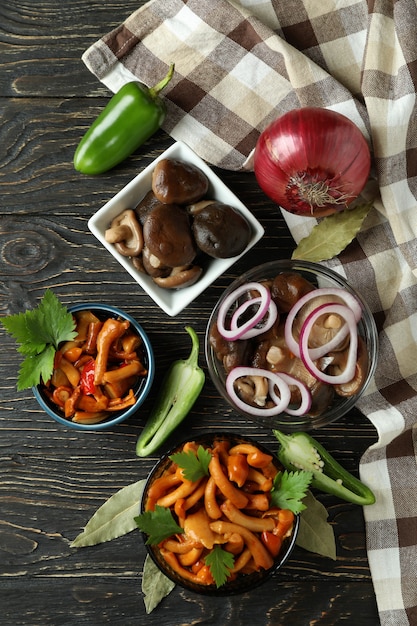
pixel 287 288
pixel 174 181
pixel 220 231
pixel 146 205
pixel 168 235
pixel 152 264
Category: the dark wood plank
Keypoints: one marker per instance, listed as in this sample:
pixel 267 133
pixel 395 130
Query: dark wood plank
pixel 52 479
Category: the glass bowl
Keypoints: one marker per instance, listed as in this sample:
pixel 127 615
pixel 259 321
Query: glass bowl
pixel 242 582
pixel 336 406
pixel 141 389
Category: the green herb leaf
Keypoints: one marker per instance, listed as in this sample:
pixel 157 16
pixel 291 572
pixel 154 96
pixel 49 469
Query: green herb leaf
pixel 58 323
pixel 194 466
pixel 39 333
pixel 220 563
pixel 289 490
pixel 35 367
pixel 158 524
pixel 315 534
pixel 332 234
pixel 155 585
pixel 115 518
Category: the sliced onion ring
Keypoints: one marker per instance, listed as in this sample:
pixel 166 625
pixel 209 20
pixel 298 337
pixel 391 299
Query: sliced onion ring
pixel 305 403
pixel 315 353
pixel 240 372
pixel 234 334
pixel 271 316
pixel 348 315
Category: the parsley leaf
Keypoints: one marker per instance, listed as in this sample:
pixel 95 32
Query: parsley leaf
pixel 158 524
pixel 194 466
pixel 220 563
pixel 39 333
pixel 289 490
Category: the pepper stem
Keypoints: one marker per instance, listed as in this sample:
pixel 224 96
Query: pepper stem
pixel 154 91
pixel 193 358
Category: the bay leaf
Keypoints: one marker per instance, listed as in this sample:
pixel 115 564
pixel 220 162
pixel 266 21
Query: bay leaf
pixel 332 235
pixel 114 518
pixel 155 585
pixel 315 534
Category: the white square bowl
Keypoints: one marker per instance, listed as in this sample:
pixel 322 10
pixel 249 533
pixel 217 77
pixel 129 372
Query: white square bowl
pixel 171 301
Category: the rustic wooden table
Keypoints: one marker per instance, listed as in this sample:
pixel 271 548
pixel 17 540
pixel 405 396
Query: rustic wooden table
pixel 53 478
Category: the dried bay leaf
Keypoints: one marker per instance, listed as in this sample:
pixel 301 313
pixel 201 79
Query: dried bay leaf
pixel 315 534
pixel 155 585
pixel 114 518
pixel 332 235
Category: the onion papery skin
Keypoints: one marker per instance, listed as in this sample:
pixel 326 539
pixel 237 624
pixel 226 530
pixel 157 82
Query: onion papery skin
pixel 312 161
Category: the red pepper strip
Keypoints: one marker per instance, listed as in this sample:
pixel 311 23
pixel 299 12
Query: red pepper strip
pixel 87 378
pixel 272 542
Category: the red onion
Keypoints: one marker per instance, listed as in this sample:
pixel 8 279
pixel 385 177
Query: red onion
pixel 349 371
pixel 264 301
pixel 312 161
pixel 281 402
pixel 305 403
pixel 315 353
pixel 271 315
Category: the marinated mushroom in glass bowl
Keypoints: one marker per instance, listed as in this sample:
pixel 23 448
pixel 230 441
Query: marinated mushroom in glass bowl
pixel 291 345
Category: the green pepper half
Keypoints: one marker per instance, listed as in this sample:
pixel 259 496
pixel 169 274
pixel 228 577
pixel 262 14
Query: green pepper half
pixel 132 115
pixel 180 389
pixel 301 451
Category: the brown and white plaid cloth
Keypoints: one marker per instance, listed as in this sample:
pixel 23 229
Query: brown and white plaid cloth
pixel 240 64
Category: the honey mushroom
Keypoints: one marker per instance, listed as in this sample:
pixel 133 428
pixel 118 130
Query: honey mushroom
pixel 229 507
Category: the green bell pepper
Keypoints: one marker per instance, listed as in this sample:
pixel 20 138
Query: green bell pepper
pixel 180 389
pixel 133 115
pixel 300 451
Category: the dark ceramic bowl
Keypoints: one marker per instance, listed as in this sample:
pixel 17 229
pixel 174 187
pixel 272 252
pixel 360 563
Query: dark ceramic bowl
pixel 320 276
pixel 141 389
pixel 242 582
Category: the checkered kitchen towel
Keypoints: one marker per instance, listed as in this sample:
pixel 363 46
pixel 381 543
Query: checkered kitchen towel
pixel 238 65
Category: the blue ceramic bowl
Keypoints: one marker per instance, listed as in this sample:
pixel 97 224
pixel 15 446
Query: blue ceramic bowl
pixel 141 389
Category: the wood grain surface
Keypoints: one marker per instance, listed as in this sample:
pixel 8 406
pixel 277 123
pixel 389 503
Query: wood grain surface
pixel 52 479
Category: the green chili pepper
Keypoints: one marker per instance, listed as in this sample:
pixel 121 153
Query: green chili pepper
pixel 300 451
pixel 133 115
pixel 180 389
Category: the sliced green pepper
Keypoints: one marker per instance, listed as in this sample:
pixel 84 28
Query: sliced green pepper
pixel 180 389
pixel 133 115
pixel 301 451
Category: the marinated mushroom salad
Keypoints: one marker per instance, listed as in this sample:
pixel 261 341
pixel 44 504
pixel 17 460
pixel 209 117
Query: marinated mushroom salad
pixel 176 224
pixel 96 375
pixel 219 511
pixel 289 347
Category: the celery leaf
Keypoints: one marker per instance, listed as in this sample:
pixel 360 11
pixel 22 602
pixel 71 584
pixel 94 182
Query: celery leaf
pixel 194 466
pixel 38 333
pixel 220 563
pixel 158 524
pixel 289 490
